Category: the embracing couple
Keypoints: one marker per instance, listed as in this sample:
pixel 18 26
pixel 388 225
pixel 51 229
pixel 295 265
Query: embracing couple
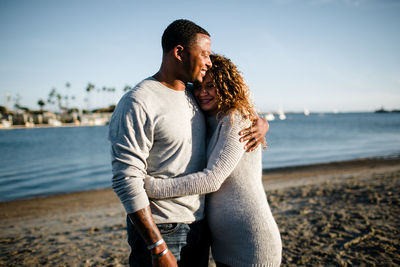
pixel 181 167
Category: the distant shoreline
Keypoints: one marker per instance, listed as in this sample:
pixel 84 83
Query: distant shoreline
pixel 34 126
pixel 39 126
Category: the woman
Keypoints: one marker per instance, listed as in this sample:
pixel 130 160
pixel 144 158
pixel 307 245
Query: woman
pixel 243 230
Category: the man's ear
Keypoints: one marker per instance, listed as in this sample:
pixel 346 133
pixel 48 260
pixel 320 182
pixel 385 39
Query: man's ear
pixel 178 52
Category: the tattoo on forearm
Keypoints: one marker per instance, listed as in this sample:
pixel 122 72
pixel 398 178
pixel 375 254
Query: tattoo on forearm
pixel 145 225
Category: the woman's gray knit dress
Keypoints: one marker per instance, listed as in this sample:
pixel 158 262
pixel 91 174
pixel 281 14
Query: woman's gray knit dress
pixel 244 232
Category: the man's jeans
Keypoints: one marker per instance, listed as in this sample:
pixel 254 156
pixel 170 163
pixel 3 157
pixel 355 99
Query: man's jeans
pixel 189 243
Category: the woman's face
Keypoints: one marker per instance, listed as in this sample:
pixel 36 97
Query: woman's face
pixel 206 96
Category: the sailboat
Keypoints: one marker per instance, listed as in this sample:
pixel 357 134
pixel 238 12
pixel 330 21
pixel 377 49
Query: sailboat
pixel 306 112
pixel 281 115
pixel 269 116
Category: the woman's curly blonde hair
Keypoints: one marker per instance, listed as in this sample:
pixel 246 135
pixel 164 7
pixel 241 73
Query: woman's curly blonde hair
pixel 232 92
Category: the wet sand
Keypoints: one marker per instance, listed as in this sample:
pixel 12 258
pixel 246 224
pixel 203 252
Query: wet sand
pixel 336 214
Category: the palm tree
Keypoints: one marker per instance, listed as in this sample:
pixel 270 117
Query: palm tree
pixel 59 101
pixel 90 87
pixel 41 104
pixel 67 85
pixel 52 96
pixel 127 88
pixel 55 97
pixel 17 100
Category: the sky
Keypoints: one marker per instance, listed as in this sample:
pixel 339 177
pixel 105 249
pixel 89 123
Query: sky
pixel 321 55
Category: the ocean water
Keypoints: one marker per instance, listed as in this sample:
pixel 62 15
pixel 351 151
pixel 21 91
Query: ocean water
pixel 318 138
pixel 46 161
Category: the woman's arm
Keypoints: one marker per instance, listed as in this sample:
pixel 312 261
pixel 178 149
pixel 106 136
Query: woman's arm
pixel 223 160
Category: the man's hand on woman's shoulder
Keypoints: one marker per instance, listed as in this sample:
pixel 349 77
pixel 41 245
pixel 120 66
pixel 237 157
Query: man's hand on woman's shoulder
pixel 255 134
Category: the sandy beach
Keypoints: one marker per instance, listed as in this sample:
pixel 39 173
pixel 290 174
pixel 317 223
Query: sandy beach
pixel 336 214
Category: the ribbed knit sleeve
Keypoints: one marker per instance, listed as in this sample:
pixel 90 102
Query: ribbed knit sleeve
pixel 130 134
pixel 223 159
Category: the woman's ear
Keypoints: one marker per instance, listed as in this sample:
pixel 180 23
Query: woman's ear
pixel 178 52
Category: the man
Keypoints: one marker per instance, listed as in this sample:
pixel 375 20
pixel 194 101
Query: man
pixel 158 129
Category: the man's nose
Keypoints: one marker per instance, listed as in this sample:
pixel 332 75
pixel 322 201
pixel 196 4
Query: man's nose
pixel 209 63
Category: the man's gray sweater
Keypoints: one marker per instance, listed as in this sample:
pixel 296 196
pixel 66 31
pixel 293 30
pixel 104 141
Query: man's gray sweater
pixel 160 132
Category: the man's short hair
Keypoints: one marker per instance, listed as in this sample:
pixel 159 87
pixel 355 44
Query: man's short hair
pixel 180 32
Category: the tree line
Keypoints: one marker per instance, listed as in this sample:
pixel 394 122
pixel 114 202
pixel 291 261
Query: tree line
pixel 63 101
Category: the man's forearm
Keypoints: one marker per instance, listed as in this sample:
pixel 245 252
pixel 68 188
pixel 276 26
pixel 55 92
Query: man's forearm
pixel 145 225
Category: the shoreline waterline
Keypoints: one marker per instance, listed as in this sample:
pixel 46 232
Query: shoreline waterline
pixel 275 175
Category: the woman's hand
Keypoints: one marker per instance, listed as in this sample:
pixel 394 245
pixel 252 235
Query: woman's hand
pixel 255 134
